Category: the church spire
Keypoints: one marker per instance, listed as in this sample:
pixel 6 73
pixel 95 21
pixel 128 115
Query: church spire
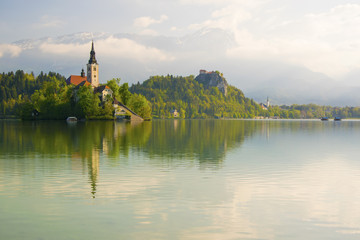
pixel 92 54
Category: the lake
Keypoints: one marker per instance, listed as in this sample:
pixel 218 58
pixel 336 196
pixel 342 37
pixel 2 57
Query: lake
pixel 180 179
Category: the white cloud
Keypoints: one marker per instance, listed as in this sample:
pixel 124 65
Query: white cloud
pixel 226 18
pixel 222 2
pixel 47 21
pixel 144 22
pixel 149 32
pixel 64 49
pixel 327 42
pixel 127 48
pixel 10 49
pixel 109 47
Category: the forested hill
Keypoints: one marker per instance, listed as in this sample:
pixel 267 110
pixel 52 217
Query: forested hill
pixel 194 100
pixel 16 86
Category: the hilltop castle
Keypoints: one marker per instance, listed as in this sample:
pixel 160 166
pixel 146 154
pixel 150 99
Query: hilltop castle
pixel 213 79
pixel 92 77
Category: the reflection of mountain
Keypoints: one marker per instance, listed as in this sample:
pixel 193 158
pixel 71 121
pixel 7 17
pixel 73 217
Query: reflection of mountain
pixel 166 141
pixel 204 140
pixel 85 146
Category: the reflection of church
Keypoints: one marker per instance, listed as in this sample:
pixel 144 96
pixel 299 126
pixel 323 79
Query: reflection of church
pixel 93 168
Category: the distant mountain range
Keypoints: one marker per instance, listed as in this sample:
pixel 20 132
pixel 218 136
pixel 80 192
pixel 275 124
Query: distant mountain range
pixel 134 57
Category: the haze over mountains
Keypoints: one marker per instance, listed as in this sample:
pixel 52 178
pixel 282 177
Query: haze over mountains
pixel 135 57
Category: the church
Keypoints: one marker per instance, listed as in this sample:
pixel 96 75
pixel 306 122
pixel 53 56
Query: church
pixel 91 78
pixel 103 91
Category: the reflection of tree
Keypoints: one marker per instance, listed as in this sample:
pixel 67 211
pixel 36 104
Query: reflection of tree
pixel 175 141
pixel 204 140
pixel 82 141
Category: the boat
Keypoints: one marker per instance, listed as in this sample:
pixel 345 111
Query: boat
pixel 324 119
pixel 71 119
pixel 337 119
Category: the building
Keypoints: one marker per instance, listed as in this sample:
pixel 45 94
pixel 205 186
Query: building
pixel 175 113
pixel 92 77
pixel 265 106
pixel 104 91
pixel 212 79
pixel 93 68
pixel 123 112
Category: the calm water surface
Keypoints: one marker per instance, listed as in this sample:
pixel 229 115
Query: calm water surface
pixel 180 179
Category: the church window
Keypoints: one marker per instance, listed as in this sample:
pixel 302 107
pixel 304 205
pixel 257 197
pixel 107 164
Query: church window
pixel 94 68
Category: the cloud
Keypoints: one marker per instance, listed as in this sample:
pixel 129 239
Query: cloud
pixel 109 47
pixel 64 49
pixel 326 42
pixel 10 49
pixel 47 21
pixel 229 17
pixel 148 32
pixel 244 3
pixel 144 22
pixel 228 14
pixel 126 48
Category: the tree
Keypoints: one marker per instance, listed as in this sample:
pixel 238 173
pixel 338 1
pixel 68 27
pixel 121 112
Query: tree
pixel 124 93
pixel 182 113
pixel 140 105
pixel 86 101
pixel 113 84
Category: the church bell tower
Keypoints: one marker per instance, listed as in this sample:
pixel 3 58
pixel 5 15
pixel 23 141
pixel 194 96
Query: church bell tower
pixel 93 68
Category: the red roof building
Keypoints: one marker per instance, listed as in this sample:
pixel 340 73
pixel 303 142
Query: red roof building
pixel 76 80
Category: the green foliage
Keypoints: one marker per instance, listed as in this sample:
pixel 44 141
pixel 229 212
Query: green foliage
pixel 139 104
pixel 50 96
pixel 192 100
pixel 16 89
pixel 124 93
pixel 113 84
pixel 22 93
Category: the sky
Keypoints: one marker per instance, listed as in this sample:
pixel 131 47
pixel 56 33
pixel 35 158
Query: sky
pixel 319 36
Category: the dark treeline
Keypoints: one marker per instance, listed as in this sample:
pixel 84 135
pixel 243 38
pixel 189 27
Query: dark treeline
pixel 22 93
pixel 316 111
pixel 19 86
pixel 47 96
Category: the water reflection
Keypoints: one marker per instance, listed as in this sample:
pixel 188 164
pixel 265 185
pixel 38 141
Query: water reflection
pixel 165 142
pixel 182 179
pixel 201 140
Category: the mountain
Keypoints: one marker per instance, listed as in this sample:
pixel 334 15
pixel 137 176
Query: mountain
pixel 202 97
pixel 134 57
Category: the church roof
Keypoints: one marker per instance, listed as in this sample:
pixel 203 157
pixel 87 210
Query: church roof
pixel 76 80
pixel 84 83
pixel 92 55
pixel 101 88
